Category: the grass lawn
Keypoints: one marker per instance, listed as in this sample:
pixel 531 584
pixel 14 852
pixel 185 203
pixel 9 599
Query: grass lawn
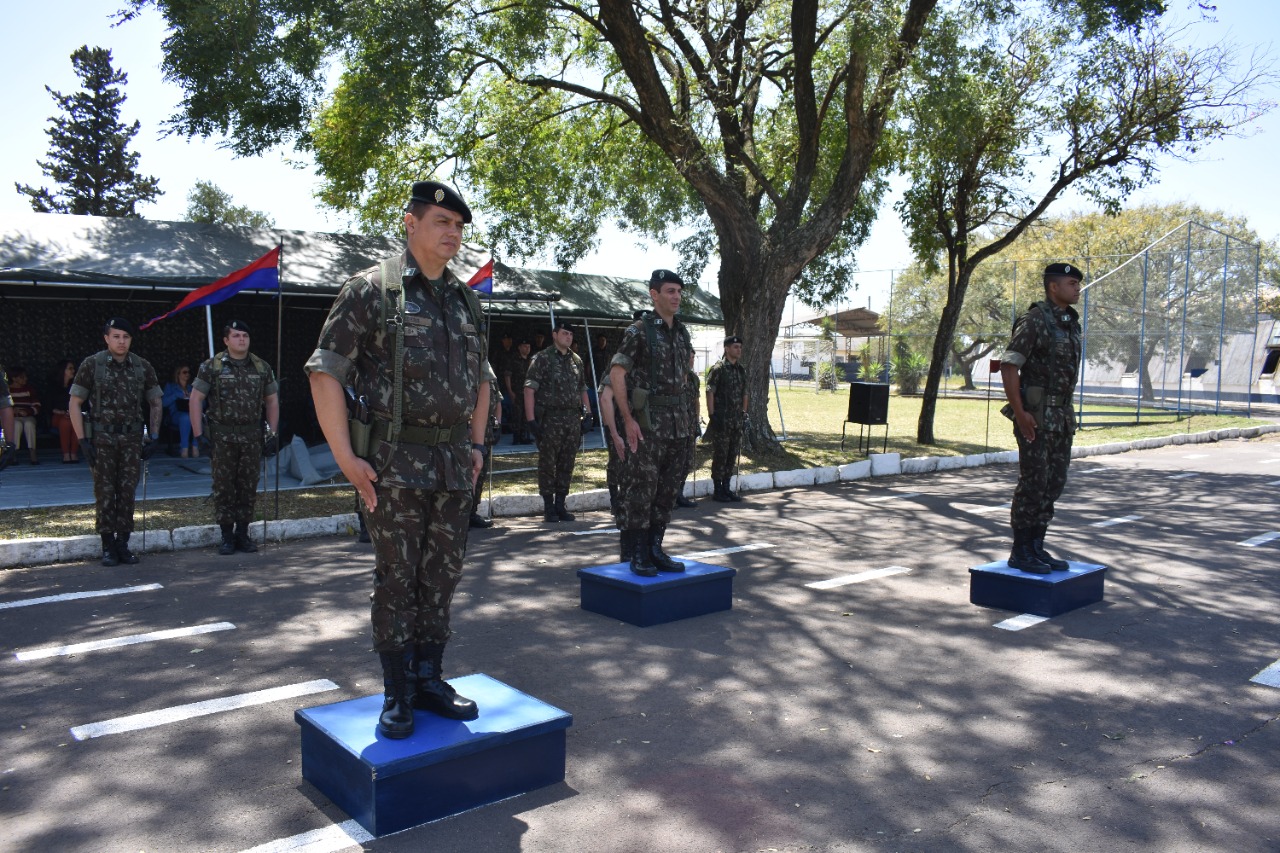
pixel 813 437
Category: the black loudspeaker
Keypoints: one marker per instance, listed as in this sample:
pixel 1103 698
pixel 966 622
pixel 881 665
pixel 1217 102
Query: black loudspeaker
pixel 868 403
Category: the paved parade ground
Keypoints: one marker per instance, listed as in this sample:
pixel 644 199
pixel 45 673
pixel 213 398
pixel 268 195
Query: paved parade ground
pixel 878 711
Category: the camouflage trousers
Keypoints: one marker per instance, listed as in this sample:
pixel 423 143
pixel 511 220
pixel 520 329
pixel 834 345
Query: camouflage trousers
pixel 611 471
pixel 419 539
pixel 649 481
pixel 557 451
pixel 235 464
pixel 1042 475
pixel 115 481
pixel 690 455
pixel 725 444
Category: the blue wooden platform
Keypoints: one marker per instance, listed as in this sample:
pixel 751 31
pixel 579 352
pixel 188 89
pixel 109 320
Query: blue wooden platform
pixel 997 585
pixel 517 744
pixel 613 590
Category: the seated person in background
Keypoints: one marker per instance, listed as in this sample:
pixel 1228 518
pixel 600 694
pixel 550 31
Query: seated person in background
pixel 26 406
pixel 65 375
pixel 176 402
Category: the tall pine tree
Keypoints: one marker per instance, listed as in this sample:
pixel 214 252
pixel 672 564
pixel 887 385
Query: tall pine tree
pixel 89 158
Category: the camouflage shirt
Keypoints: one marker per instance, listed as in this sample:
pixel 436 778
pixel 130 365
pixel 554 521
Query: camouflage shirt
pixel 691 389
pixel 235 388
pixel 662 371
pixel 443 366
pixel 557 380
pixel 516 369
pixel 5 400
pixel 126 384
pixel 1046 348
pixel 727 385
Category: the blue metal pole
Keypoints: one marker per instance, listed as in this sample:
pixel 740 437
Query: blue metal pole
pixel 1222 323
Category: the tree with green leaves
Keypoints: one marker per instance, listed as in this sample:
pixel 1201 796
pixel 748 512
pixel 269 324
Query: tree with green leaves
pixel 753 130
pixel 89 158
pixel 1001 121
pixel 207 202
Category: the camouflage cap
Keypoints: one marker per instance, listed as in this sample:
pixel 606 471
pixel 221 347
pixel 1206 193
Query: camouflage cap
pixel 431 192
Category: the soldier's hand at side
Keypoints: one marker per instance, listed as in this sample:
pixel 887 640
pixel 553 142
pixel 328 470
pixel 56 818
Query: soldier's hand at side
pixel 148 449
pixel 9 455
pixel 202 444
pixel 86 450
pixel 634 435
pixel 1027 425
pixel 361 475
pixel 619 444
pixel 477 465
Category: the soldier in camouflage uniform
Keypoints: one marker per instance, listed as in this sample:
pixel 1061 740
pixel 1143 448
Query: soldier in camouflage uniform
pixel 693 409
pixel 8 452
pixel 1039 372
pixel 514 371
pixel 119 382
pixel 727 416
pixel 425 442
pixel 648 374
pixel 491 435
pixel 557 412
pixel 238 385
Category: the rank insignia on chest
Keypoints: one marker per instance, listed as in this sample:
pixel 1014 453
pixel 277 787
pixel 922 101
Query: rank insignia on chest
pixel 412 308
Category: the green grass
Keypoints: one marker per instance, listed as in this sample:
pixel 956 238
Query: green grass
pixel 962 426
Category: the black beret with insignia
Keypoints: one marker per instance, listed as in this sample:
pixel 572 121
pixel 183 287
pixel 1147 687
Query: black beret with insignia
pixel 661 277
pixel 1064 269
pixel 119 323
pixel 562 326
pixel 732 339
pixel 236 326
pixel 431 192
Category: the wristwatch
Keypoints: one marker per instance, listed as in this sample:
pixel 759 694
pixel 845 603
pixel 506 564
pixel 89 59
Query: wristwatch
pixel 483 448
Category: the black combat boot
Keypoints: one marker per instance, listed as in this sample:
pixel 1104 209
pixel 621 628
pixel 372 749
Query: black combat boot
pixel 641 561
pixel 478 520
pixel 396 719
pixel 123 554
pixel 432 693
pixel 549 508
pixel 1037 545
pixel 721 492
pixel 562 513
pixel 657 555
pixel 625 538
pixel 228 545
pixel 109 557
pixel 681 500
pixel 363 535
pixel 1023 557
pixel 730 493
pixel 243 542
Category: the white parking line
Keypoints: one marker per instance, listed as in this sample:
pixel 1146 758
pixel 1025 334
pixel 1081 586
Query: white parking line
pixel 720 552
pixel 595 532
pixel 1196 456
pixel 178 713
pixel 1112 522
pixel 893 497
pixel 845 580
pixel 133 639
pixel 1185 476
pixel 330 839
pixel 1260 539
pixel 1024 620
pixel 980 510
pixel 1272 483
pixel 71 596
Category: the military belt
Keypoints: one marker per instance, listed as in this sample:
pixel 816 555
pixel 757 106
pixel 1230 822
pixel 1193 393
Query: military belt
pixel 234 429
pixel 665 401
pixel 117 429
pixel 430 436
pixel 562 408
pixel 1057 400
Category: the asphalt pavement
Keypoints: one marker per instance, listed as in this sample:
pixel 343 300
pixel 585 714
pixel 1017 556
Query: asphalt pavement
pixel 886 713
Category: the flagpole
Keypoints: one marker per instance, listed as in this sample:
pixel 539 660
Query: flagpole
pixel 208 325
pixel 279 361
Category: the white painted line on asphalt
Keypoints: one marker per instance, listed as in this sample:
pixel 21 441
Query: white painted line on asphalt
pixel 1024 620
pixel 720 552
pixel 1196 456
pixel 178 713
pixel 893 497
pixel 330 839
pixel 1269 677
pixel 595 532
pixel 1260 539
pixel 1272 483
pixel 845 580
pixel 1269 461
pixel 1112 522
pixel 1185 476
pixel 979 510
pixel 133 639
pixel 71 596
pixel 1091 470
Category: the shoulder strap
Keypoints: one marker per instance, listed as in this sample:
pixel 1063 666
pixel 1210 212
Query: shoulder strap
pixel 651 339
pixel 392 275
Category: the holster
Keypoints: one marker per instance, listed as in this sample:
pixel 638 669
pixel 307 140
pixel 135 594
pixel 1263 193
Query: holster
pixel 640 407
pixel 361 437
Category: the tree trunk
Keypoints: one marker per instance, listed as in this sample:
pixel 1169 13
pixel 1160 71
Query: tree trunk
pixel 941 348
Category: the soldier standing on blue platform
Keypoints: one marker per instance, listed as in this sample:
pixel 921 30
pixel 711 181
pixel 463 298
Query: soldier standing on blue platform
pixel 238 385
pixel 648 376
pixel 120 382
pixel 557 412
pixel 1039 372
pixel 406 335
pixel 727 403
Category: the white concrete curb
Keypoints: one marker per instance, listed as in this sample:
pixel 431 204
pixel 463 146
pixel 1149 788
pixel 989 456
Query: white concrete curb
pixel 39 552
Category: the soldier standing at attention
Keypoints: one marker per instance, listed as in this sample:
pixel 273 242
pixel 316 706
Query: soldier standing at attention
pixel 406 335
pixel 727 403
pixel 694 410
pixel 119 382
pixel 8 451
pixel 514 372
pixel 648 375
pixel 557 412
pixel 237 385
pixel 1039 372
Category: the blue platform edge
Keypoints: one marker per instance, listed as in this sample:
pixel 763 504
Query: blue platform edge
pixel 506 716
pixel 1074 570
pixel 620 575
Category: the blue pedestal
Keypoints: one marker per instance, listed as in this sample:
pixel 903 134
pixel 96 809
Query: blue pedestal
pixel 517 744
pixel 613 590
pixel 997 585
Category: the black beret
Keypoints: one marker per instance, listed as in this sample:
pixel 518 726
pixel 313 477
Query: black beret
pixel 506 335
pixel 661 277
pixel 525 342
pixel 430 192
pixel 1064 269
pixel 562 326
pixel 119 323
pixel 732 339
pixel 237 326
